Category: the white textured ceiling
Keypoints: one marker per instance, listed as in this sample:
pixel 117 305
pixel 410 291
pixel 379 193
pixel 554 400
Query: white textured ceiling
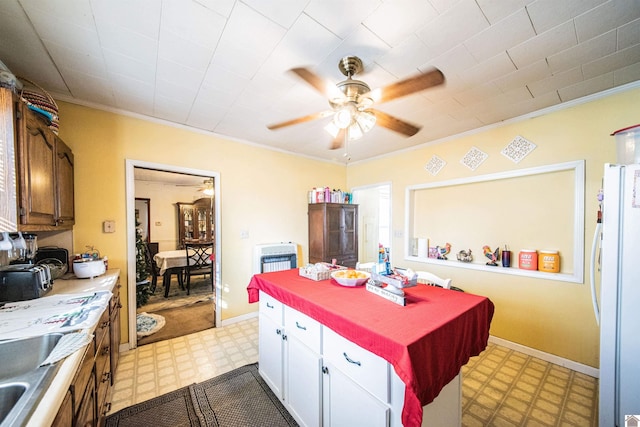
pixel 220 65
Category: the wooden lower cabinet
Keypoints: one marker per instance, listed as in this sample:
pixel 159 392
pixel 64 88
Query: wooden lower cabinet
pixel 86 414
pixel 65 413
pixel 87 401
pixel 114 329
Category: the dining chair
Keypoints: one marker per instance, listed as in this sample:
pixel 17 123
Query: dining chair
pixel 152 249
pixel 152 265
pixel 431 279
pixel 199 261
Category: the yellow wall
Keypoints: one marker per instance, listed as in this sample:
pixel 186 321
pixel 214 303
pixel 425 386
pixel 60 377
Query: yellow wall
pixel 262 191
pixel 551 316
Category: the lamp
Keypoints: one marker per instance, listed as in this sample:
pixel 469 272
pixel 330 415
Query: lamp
pixel 356 122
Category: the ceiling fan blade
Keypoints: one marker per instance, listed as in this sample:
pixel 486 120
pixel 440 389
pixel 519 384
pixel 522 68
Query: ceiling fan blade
pixel 407 86
pixel 323 86
pixel 338 140
pixel 395 124
pixel 302 119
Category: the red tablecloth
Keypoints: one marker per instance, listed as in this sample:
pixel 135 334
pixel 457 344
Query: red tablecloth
pixel 427 341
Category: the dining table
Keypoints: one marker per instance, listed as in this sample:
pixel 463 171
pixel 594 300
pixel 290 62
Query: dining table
pixel 171 262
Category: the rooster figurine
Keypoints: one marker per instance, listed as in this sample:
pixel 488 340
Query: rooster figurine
pixel 465 256
pixel 443 252
pixel 492 255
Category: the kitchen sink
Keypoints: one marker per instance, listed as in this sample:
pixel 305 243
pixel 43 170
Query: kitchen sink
pixel 10 394
pixel 24 355
pixel 23 381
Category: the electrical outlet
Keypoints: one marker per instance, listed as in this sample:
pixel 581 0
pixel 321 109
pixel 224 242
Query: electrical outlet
pixel 109 227
pixel 244 234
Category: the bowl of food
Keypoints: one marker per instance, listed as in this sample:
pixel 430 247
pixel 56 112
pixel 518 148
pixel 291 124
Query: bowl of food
pixel 350 277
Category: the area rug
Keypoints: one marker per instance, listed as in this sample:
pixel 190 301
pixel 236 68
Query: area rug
pixel 182 321
pixel 239 398
pixel 148 324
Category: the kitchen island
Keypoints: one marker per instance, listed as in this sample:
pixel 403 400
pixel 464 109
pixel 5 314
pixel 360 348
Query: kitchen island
pixel 322 325
pixel 48 407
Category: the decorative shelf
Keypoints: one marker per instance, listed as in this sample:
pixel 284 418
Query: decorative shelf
pixel 427 206
pixel 514 271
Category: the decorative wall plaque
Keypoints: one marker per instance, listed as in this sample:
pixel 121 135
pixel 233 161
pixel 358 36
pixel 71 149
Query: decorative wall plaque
pixel 474 158
pixel 435 165
pixel 518 149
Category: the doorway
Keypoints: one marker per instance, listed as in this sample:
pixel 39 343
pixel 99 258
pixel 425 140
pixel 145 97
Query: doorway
pixel 191 180
pixel 142 217
pixel 374 219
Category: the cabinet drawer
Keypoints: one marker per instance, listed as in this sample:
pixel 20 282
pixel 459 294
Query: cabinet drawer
pixel 304 328
pixel 84 375
pixel 101 329
pixel 365 368
pixel 271 307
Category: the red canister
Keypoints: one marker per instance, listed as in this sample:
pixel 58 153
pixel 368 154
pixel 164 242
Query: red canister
pixel 528 259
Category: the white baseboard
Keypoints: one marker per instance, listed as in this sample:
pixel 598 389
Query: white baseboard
pixel 552 358
pixel 239 318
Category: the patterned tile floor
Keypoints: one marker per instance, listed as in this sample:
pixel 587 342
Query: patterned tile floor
pixel 501 387
pixel 158 368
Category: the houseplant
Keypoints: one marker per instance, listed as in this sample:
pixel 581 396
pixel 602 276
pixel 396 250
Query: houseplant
pixel 143 284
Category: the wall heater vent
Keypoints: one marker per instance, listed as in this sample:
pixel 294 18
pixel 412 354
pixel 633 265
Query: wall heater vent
pixel 274 257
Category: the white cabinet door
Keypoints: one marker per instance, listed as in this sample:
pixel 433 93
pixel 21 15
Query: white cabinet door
pixel 271 344
pixel 270 354
pixel 345 403
pixel 303 384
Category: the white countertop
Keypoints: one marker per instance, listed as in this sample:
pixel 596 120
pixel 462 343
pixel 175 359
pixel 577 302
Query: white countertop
pixel 48 407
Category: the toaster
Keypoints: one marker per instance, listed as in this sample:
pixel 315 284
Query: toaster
pixel 20 282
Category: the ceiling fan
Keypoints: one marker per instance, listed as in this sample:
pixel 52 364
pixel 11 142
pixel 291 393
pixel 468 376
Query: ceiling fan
pixel 352 100
pixel 206 187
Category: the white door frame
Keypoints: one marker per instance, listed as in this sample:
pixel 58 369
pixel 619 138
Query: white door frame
pixel 361 222
pixel 130 164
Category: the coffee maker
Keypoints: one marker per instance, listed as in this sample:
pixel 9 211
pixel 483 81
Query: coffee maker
pixel 25 246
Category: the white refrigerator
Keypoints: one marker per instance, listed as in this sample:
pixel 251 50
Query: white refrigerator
pixel 619 313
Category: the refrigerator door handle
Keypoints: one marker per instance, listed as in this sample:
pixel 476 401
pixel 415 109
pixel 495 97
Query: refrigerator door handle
pixel 592 275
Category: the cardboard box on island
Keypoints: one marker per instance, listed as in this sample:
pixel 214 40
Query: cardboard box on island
pixel 397 279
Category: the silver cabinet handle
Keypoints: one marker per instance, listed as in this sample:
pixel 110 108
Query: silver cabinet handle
pixel 269 305
pixel 351 360
pixel 304 328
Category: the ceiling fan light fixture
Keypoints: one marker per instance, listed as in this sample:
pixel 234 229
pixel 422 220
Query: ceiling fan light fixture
pixel 354 132
pixel 208 192
pixel 332 129
pixel 344 116
pixel 366 120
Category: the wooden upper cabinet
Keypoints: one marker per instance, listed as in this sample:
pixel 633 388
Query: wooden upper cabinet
pixel 64 184
pixel 36 158
pixel 45 175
